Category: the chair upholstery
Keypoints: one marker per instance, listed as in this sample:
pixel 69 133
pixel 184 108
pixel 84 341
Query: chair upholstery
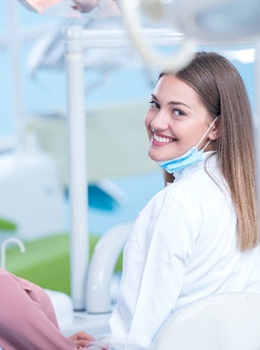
pixel 228 321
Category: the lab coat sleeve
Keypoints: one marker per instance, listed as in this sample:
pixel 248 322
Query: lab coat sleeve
pixel 155 260
pixel 27 320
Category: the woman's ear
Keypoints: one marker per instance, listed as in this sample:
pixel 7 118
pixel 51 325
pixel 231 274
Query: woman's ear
pixel 215 131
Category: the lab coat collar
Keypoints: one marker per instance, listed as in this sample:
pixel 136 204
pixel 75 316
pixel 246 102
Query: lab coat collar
pixel 193 167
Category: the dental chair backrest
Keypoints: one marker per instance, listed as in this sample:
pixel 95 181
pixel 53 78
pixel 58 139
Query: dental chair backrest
pixel 228 321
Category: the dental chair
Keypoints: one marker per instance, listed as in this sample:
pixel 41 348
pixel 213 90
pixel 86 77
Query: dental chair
pixel 228 321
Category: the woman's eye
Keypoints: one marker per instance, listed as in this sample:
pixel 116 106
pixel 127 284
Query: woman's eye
pixel 153 104
pixel 178 112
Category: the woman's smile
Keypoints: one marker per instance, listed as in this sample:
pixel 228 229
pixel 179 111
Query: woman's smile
pixel 160 140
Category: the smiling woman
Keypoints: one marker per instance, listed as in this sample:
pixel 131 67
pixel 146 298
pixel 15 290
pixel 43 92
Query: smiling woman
pixel 175 126
pixel 200 235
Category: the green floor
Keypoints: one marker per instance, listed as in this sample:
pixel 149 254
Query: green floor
pixel 46 261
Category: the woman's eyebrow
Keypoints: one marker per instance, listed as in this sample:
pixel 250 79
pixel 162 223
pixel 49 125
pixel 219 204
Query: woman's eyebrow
pixel 154 97
pixel 175 103
pixel 178 103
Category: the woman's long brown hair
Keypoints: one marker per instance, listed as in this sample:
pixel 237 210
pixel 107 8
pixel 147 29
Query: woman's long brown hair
pixel 222 91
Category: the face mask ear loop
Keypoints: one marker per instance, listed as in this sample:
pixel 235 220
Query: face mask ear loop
pixel 206 145
pixel 206 134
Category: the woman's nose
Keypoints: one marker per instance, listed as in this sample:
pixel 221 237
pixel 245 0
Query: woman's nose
pixel 159 122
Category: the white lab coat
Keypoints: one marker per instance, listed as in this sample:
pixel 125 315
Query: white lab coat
pixel 183 247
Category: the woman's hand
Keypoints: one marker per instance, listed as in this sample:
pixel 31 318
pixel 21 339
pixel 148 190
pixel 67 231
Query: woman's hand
pixel 81 339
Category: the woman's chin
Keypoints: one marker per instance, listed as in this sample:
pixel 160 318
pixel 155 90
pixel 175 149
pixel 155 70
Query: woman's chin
pixel 158 158
pixel 153 157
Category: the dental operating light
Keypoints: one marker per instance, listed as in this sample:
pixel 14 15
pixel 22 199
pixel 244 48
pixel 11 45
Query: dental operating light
pixel 218 22
pixel 221 21
pixel 210 22
pixel 156 11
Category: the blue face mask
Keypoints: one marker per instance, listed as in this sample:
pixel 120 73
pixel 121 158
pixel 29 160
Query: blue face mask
pixel 192 156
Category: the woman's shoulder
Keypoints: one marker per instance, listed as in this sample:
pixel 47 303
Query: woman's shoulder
pixel 205 175
pixel 9 280
pixel 197 184
pixel 9 284
pixel 4 274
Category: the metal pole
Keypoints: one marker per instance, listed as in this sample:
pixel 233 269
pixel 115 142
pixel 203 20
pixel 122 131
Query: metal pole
pixel 77 167
pixel 14 50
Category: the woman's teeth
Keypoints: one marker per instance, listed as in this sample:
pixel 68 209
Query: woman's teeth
pixel 162 139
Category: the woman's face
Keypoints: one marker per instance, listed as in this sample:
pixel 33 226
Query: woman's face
pixel 176 120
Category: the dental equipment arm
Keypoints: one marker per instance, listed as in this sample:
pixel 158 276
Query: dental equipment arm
pixel 106 253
